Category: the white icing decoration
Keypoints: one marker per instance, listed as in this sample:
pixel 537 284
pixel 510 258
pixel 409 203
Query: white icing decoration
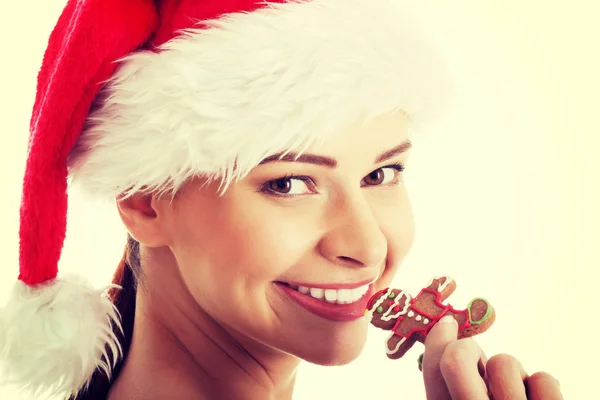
pixel 445 284
pixel 388 317
pixel 381 300
pixel 418 317
pixel 377 304
pixel 441 286
pixel 425 321
pixel 410 314
pixel 387 349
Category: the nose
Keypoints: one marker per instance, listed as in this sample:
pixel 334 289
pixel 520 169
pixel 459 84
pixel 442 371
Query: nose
pixel 353 236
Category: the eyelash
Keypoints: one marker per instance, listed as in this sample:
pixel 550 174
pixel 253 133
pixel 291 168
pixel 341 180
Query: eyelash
pixel 398 167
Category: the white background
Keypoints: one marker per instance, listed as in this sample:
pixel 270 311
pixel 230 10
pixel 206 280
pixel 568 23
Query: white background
pixel 506 194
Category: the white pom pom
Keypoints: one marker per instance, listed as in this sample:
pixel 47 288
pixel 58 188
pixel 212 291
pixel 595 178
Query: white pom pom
pixel 53 336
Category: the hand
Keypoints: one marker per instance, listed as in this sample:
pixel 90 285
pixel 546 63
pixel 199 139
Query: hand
pixel 458 369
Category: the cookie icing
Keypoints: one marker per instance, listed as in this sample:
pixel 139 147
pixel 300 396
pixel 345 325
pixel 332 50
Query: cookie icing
pixel 407 298
pixel 443 285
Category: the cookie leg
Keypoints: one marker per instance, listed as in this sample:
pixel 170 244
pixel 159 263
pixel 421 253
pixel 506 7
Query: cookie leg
pixel 481 316
pixel 480 311
pixel 396 346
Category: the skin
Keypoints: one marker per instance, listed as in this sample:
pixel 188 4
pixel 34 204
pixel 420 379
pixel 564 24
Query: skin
pixel 211 321
pixel 459 369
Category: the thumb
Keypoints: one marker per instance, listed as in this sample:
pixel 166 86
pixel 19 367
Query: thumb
pixel 443 333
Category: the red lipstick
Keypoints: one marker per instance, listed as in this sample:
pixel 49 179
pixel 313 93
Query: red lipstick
pixel 330 311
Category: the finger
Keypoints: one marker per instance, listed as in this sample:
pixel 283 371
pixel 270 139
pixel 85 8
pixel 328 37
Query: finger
pixel 542 386
pixel 505 376
pixel 462 367
pixel 443 332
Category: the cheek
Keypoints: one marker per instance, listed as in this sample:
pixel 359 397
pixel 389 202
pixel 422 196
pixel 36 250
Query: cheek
pixel 398 225
pixel 235 244
pixel 271 240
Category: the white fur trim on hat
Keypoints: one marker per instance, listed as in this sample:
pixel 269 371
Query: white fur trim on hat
pixel 54 336
pixel 252 85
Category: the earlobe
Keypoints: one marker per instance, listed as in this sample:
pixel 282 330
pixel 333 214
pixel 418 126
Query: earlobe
pixel 142 220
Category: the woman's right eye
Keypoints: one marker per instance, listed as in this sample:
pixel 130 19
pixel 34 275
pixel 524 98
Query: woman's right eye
pixel 289 186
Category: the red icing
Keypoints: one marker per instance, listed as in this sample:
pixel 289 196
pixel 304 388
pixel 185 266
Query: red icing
pixel 433 319
pixel 376 295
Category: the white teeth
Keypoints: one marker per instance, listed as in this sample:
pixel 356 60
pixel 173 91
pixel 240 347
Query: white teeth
pixel 331 295
pixel 303 289
pixel 360 291
pixel 344 295
pixel 334 296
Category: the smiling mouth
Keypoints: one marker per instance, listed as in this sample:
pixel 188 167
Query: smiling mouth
pixel 332 296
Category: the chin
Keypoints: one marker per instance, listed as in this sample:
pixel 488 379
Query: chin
pixel 335 350
pixel 335 356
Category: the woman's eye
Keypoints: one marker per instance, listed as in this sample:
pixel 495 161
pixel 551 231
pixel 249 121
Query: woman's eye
pixel 383 176
pixel 292 186
pixel 289 186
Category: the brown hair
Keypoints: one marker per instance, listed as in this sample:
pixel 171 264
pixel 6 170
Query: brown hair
pixel 128 275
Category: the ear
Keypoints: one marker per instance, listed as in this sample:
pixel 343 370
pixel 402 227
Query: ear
pixel 141 218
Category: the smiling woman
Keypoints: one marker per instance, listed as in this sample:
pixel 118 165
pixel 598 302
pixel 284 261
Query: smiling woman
pixel 256 161
pixel 341 236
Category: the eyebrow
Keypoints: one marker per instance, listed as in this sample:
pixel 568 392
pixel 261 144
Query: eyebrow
pixel 331 162
pixel 386 155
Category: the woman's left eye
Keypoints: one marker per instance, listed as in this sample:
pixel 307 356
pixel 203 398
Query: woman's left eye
pixel 384 175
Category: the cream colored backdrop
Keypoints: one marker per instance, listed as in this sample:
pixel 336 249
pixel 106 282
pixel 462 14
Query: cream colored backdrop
pixel 506 196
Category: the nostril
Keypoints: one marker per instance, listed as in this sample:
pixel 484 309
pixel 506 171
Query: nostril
pixel 349 260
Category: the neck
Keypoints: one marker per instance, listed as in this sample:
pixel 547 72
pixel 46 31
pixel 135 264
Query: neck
pixel 181 349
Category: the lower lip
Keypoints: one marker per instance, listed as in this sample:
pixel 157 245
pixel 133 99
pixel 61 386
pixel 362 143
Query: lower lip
pixel 333 312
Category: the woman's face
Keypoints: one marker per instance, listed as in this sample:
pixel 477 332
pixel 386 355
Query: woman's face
pixel 338 218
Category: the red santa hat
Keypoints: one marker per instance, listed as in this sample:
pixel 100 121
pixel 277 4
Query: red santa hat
pixel 141 95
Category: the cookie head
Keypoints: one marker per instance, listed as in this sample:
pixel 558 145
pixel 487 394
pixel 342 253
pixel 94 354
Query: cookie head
pixel 386 306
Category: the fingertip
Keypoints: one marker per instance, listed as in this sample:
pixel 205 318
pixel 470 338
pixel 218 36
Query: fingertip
pixel 445 330
pixel 448 319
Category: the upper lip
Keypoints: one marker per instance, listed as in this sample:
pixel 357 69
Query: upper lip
pixel 348 285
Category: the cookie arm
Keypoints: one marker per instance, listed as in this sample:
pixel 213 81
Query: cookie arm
pixel 444 285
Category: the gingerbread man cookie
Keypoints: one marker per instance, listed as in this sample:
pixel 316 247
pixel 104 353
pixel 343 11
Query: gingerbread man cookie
pixel 410 319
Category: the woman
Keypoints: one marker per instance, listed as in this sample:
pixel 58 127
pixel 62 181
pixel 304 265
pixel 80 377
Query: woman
pixel 255 152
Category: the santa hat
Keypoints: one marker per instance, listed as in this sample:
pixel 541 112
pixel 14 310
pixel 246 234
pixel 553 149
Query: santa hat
pixel 144 94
